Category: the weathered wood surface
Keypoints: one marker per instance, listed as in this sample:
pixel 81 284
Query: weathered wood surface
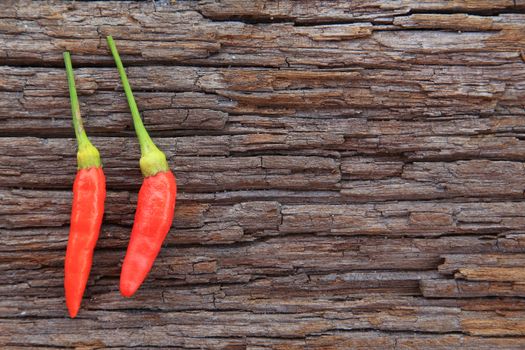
pixel 351 173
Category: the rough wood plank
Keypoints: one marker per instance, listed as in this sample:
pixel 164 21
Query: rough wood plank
pixel 212 99
pixel 378 341
pixel 158 33
pixel 27 165
pixel 479 275
pixel 196 173
pixel 351 173
pixel 450 288
pixel 26 208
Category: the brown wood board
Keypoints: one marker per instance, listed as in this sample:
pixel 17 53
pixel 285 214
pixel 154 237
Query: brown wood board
pixel 351 174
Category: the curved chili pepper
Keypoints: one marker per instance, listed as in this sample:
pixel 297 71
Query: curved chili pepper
pixel 156 201
pixel 89 193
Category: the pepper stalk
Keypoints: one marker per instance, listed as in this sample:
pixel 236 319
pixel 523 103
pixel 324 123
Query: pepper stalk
pixel 152 160
pixel 87 155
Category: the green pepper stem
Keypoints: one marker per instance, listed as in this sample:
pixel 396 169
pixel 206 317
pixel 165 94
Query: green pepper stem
pixel 80 133
pixel 87 155
pixel 144 139
pixel 152 160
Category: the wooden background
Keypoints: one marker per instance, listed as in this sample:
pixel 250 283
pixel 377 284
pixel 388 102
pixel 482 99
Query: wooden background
pixel 351 173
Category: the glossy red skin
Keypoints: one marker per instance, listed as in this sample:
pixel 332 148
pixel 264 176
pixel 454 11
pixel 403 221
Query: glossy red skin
pixel 89 193
pixel 153 219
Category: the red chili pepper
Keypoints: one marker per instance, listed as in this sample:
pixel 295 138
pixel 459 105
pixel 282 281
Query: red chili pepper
pixel 156 201
pixel 89 193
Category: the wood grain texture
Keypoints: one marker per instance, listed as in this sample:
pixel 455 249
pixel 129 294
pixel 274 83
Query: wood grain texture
pixel 351 174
